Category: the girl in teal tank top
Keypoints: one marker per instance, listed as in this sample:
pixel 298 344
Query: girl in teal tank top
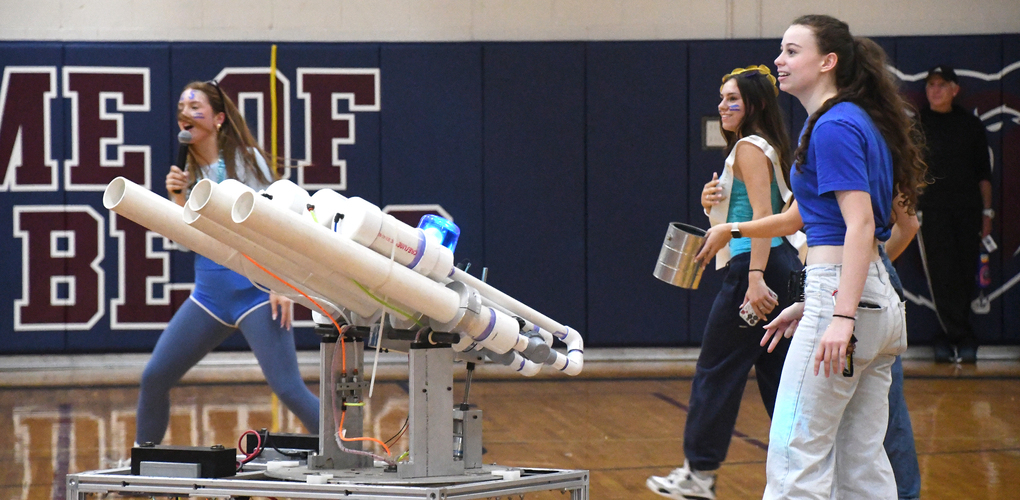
pixel 740 211
pixel 753 185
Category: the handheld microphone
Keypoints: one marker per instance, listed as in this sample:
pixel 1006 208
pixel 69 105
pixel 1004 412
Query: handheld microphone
pixel 184 137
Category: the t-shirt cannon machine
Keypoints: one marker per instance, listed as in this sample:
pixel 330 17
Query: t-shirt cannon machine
pixel 372 282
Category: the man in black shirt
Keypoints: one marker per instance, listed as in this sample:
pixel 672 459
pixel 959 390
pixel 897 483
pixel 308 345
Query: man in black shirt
pixel 955 211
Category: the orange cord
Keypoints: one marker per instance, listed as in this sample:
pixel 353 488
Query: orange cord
pixel 343 414
pixel 343 348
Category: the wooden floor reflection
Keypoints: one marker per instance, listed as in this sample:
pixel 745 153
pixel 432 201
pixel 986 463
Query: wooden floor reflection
pixel 966 423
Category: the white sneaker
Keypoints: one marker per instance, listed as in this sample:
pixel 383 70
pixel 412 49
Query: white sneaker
pixel 683 484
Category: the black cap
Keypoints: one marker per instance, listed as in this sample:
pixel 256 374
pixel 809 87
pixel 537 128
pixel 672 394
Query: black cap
pixel 943 71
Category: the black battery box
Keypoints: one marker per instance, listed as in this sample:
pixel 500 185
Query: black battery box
pixel 214 461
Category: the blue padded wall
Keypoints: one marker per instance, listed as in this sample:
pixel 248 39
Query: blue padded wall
pixel 636 173
pixel 364 177
pixel 138 128
pixel 534 175
pixel 432 134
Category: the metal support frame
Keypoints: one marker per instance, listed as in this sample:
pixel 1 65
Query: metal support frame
pixel 430 394
pixel 433 471
pixel 252 484
pixel 350 385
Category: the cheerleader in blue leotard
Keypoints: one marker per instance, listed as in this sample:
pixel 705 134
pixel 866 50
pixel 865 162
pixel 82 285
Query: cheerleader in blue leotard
pixel 222 301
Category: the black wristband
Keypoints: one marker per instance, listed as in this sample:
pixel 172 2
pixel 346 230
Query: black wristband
pixel 756 271
pixel 851 318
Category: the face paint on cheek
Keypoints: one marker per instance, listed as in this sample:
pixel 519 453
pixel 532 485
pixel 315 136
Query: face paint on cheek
pixel 734 107
pixel 198 116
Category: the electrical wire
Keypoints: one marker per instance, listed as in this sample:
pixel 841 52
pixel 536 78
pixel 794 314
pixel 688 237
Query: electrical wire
pixel 378 349
pixel 341 311
pixel 336 221
pixel 303 294
pixel 248 457
pixel 382 322
pixel 343 414
pixel 386 304
pixel 399 433
pixel 343 355
pixel 339 422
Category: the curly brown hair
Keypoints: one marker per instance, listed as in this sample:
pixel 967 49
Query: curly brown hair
pixel 863 79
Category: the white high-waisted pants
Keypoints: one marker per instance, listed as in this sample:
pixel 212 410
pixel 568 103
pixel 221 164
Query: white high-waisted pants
pixel 826 436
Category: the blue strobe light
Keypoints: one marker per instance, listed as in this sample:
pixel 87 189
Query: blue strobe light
pixel 440 230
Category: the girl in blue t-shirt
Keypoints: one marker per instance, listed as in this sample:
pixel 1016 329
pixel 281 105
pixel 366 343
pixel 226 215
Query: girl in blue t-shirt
pixel 754 184
pixel 857 149
pixel 222 301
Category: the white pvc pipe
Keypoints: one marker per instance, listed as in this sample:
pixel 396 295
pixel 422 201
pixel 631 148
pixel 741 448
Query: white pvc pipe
pixel 282 267
pixel 343 256
pixel 163 216
pixel 496 331
pixel 366 224
pixel 574 359
pixel 289 196
pixel 215 201
pixel 327 204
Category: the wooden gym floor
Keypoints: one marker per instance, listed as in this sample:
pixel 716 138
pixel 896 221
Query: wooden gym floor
pixel 622 420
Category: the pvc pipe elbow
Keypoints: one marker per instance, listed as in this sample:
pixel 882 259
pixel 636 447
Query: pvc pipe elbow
pixel 525 367
pixel 574 359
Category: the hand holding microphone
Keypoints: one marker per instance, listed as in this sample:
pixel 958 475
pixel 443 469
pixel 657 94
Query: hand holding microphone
pixel 177 179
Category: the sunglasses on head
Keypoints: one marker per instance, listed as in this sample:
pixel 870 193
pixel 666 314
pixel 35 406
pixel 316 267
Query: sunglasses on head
pixel 219 92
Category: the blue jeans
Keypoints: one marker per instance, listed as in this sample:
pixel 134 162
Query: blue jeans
pixel 899 437
pixel 827 435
